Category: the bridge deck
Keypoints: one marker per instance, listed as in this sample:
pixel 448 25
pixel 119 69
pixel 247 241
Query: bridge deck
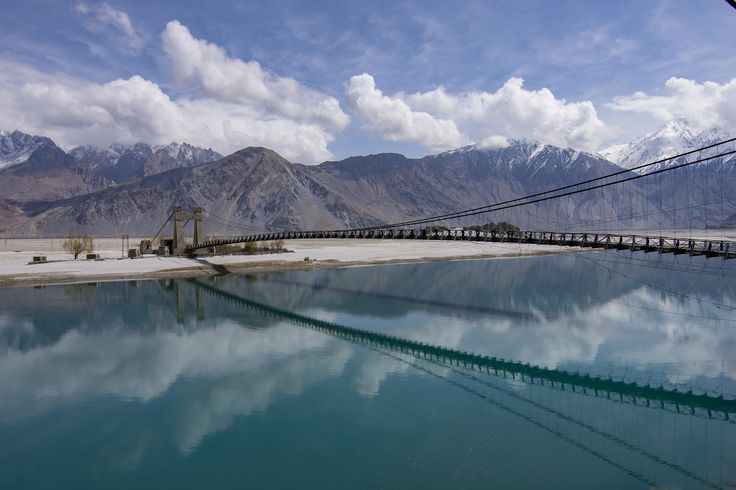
pixel 689 246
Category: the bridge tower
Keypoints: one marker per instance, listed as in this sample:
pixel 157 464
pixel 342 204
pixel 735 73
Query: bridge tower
pixel 181 218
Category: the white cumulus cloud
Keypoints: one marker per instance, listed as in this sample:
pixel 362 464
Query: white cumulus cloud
pixel 440 120
pixel 515 112
pixel 704 104
pixel 241 105
pixel 233 80
pixel 395 120
pixel 101 15
pixel 493 142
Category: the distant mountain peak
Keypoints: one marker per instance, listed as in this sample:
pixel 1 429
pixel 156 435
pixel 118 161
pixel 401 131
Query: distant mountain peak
pixel 515 142
pixel 672 138
pixel 16 146
pixel 676 129
pixel 123 162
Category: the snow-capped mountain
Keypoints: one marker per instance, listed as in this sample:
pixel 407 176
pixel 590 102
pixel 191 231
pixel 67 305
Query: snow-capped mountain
pixel 527 156
pixel 93 157
pixel 188 153
pixel 16 146
pixel 674 137
pixel 122 163
pixel 34 168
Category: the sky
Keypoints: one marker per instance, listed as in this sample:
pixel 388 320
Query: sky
pixel 319 80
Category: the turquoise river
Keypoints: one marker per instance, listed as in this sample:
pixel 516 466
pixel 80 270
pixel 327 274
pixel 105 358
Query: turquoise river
pixel 591 370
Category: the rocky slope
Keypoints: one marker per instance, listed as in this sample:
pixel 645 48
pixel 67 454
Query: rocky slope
pixel 254 186
pixel 697 194
pixel 396 188
pixel 47 174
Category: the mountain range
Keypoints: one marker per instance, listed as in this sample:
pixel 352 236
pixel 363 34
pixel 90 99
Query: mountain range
pixel 46 191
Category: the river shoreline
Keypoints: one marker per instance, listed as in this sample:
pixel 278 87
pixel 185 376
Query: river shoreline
pixel 15 271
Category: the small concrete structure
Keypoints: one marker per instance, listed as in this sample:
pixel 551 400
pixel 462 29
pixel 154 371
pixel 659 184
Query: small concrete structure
pixel 146 247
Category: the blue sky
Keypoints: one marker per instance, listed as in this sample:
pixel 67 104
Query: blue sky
pixel 318 80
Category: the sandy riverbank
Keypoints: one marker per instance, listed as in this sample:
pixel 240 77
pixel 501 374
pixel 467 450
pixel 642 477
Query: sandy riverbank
pixel 15 269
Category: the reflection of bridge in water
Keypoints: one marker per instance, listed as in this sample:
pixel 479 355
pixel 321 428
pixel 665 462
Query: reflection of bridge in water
pixel 474 373
pixel 697 404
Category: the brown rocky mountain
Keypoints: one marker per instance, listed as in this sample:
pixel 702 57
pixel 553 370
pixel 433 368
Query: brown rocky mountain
pixel 396 188
pixel 255 188
pixel 48 174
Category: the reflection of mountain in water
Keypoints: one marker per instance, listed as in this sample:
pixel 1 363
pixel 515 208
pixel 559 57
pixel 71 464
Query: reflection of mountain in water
pixel 530 290
pixel 544 288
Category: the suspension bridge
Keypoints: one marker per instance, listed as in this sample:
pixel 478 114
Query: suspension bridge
pixel 685 206
pixel 692 247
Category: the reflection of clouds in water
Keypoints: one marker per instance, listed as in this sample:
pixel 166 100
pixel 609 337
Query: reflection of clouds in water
pixel 232 395
pixel 13 332
pixel 433 330
pixel 140 366
pixel 546 344
pixel 246 371
pixel 369 377
pixel 693 345
pixel 250 368
pixel 542 344
pixel 661 329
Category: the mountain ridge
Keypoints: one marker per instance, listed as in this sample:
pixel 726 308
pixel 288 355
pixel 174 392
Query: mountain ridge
pixel 16 148
pixel 259 189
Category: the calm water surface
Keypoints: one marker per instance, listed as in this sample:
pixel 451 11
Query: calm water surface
pixel 549 372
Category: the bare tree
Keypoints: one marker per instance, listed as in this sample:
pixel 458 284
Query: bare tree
pixel 76 244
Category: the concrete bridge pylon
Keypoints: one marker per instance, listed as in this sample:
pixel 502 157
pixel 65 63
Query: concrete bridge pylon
pixel 181 218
